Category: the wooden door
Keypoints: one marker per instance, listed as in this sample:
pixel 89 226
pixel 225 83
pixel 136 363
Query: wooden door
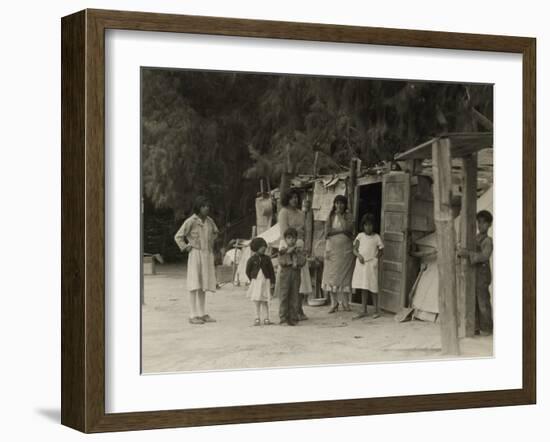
pixel 395 235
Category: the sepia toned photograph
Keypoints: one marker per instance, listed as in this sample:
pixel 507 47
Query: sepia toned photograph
pixel 300 220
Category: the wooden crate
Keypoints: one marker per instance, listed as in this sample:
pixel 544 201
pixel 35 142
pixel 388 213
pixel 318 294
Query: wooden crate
pixel 149 265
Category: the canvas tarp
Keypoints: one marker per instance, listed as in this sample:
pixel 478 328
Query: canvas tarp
pixel 323 196
pixel 426 294
pixel 264 211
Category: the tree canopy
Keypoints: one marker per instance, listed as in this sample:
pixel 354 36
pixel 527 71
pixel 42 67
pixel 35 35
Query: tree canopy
pixel 216 133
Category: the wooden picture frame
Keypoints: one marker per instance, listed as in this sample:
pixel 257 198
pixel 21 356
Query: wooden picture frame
pixel 83 220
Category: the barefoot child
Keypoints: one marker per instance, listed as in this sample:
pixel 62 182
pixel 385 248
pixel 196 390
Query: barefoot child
pixel 480 258
pixel 291 261
pixel 259 270
pixel 367 247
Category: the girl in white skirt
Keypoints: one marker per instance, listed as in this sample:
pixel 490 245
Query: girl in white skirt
pixel 259 270
pixel 368 248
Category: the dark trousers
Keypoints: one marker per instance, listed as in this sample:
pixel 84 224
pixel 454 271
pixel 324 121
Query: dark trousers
pixel 289 298
pixel 484 310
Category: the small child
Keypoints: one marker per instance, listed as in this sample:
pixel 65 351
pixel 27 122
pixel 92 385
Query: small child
pixel 480 258
pixel 368 248
pixel 291 261
pixel 259 270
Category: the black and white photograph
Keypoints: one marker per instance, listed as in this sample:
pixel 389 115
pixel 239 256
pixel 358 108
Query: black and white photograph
pixel 252 221
pixel 295 220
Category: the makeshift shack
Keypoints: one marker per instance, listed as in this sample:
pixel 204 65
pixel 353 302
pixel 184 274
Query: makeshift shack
pixel 425 299
pixel 456 287
pixel 405 198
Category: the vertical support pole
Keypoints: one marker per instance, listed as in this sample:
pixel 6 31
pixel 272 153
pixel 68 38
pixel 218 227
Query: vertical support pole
pixel 446 245
pixel 283 189
pixel 285 178
pixel 352 186
pixel 235 275
pixel 466 277
pixel 315 163
pixel 355 211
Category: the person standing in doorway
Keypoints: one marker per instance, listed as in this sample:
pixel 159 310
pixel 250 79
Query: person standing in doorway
pixel 368 250
pixel 196 237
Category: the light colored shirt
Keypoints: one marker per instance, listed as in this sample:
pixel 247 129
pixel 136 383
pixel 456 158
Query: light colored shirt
pixel 368 245
pixel 199 234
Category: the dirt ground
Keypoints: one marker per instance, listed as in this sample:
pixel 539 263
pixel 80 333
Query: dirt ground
pixel 171 344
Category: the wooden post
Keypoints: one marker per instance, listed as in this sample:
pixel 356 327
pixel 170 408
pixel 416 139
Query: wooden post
pixel 315 163
pixel 283 189
pixel 466 277
pixel 352 185
pixel 235 276
pixel 285 178
pixel 446 246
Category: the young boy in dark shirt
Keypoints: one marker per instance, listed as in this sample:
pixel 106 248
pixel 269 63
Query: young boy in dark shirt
pixel 480 258
pixel 291 260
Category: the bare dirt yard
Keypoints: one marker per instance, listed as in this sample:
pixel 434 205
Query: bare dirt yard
pixel 171 344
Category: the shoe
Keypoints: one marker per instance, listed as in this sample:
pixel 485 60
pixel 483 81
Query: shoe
pixel 346 308
pixel 359 316
pixel 485 333
pixel 267 322
pixel 256 321
pixel 196 320
pixel 293 323
pixel 302 317
pixel 207 318
pixel 334 309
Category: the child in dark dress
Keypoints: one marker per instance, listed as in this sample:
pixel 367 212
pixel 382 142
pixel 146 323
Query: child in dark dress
pixel 259 270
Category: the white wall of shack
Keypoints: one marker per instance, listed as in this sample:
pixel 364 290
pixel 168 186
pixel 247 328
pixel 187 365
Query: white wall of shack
pixel 30 186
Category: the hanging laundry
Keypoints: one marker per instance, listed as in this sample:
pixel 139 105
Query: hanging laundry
pixel 264 212
pixel 323 197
